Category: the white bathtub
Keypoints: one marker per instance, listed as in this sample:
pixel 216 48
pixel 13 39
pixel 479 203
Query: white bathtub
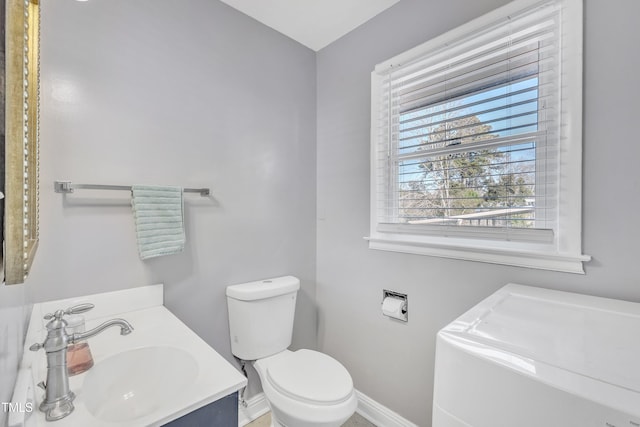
pixel 532 357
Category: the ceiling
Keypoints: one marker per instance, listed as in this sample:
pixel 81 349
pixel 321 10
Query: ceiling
pixel 314 23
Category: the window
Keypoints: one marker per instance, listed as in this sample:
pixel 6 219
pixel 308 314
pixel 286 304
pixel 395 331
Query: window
pixel 477 144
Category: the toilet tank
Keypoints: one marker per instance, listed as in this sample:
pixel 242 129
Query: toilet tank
pixel 261 316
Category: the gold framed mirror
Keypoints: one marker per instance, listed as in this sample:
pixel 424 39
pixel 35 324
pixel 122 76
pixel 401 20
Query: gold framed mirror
pixel 22 33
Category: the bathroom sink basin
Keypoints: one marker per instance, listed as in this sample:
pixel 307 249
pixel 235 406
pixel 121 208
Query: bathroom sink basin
pixel 137 382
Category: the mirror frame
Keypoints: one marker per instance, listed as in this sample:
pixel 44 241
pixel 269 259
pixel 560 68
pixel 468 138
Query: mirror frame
pixel 21 203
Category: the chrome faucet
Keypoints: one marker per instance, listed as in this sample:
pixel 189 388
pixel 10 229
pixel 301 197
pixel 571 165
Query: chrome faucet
pixel 58 399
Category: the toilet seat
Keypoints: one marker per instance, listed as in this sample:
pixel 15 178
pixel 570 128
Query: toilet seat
pixel 311 377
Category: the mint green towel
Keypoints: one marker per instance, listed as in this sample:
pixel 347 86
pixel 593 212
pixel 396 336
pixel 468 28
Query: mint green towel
pixel 159 215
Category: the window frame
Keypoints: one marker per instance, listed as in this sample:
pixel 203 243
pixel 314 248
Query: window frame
pixel 564 251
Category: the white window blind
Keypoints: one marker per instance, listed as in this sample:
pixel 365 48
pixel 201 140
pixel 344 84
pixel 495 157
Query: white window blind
pixel 467 132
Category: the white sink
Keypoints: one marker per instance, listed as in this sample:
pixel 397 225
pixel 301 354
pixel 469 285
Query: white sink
pixel 135 383
pixel 157 374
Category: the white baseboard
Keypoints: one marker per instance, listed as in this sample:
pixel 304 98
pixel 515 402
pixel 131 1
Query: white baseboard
pixel 373 411
pixel 378 414
pixel 256 407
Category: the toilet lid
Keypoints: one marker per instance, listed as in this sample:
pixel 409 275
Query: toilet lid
pixel 311 376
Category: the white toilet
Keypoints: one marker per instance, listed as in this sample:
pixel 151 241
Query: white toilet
pixel 304 388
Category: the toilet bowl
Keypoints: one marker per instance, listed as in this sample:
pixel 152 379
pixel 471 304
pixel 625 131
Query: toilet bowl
pixel 304 388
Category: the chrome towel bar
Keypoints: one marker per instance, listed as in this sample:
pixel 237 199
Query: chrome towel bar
pixel 68 187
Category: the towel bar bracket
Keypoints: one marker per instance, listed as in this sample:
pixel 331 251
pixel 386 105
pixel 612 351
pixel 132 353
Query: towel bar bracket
pixel 62 187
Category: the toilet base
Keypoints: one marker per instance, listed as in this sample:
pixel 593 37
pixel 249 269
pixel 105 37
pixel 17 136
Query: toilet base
pixel 277 422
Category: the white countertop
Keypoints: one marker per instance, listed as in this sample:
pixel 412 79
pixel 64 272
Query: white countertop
pixel 154 326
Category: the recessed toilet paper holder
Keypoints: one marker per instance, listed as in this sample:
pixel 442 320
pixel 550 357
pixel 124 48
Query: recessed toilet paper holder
pixel 395 305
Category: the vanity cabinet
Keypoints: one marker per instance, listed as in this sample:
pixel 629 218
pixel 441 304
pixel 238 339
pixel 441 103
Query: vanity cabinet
pixel 221 413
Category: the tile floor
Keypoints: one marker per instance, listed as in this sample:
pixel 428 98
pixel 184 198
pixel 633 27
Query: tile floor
pixel 355 421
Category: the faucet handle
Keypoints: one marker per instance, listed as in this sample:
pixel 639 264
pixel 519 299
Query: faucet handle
pixel 76 309
pixel 80 308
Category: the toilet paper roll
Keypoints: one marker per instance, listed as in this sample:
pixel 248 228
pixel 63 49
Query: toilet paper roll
pixel 393 307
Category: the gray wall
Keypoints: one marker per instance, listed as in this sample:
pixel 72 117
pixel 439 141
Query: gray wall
pixel 392 362
pixel 189 93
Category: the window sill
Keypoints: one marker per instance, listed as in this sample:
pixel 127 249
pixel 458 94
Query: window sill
pixel 543 260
